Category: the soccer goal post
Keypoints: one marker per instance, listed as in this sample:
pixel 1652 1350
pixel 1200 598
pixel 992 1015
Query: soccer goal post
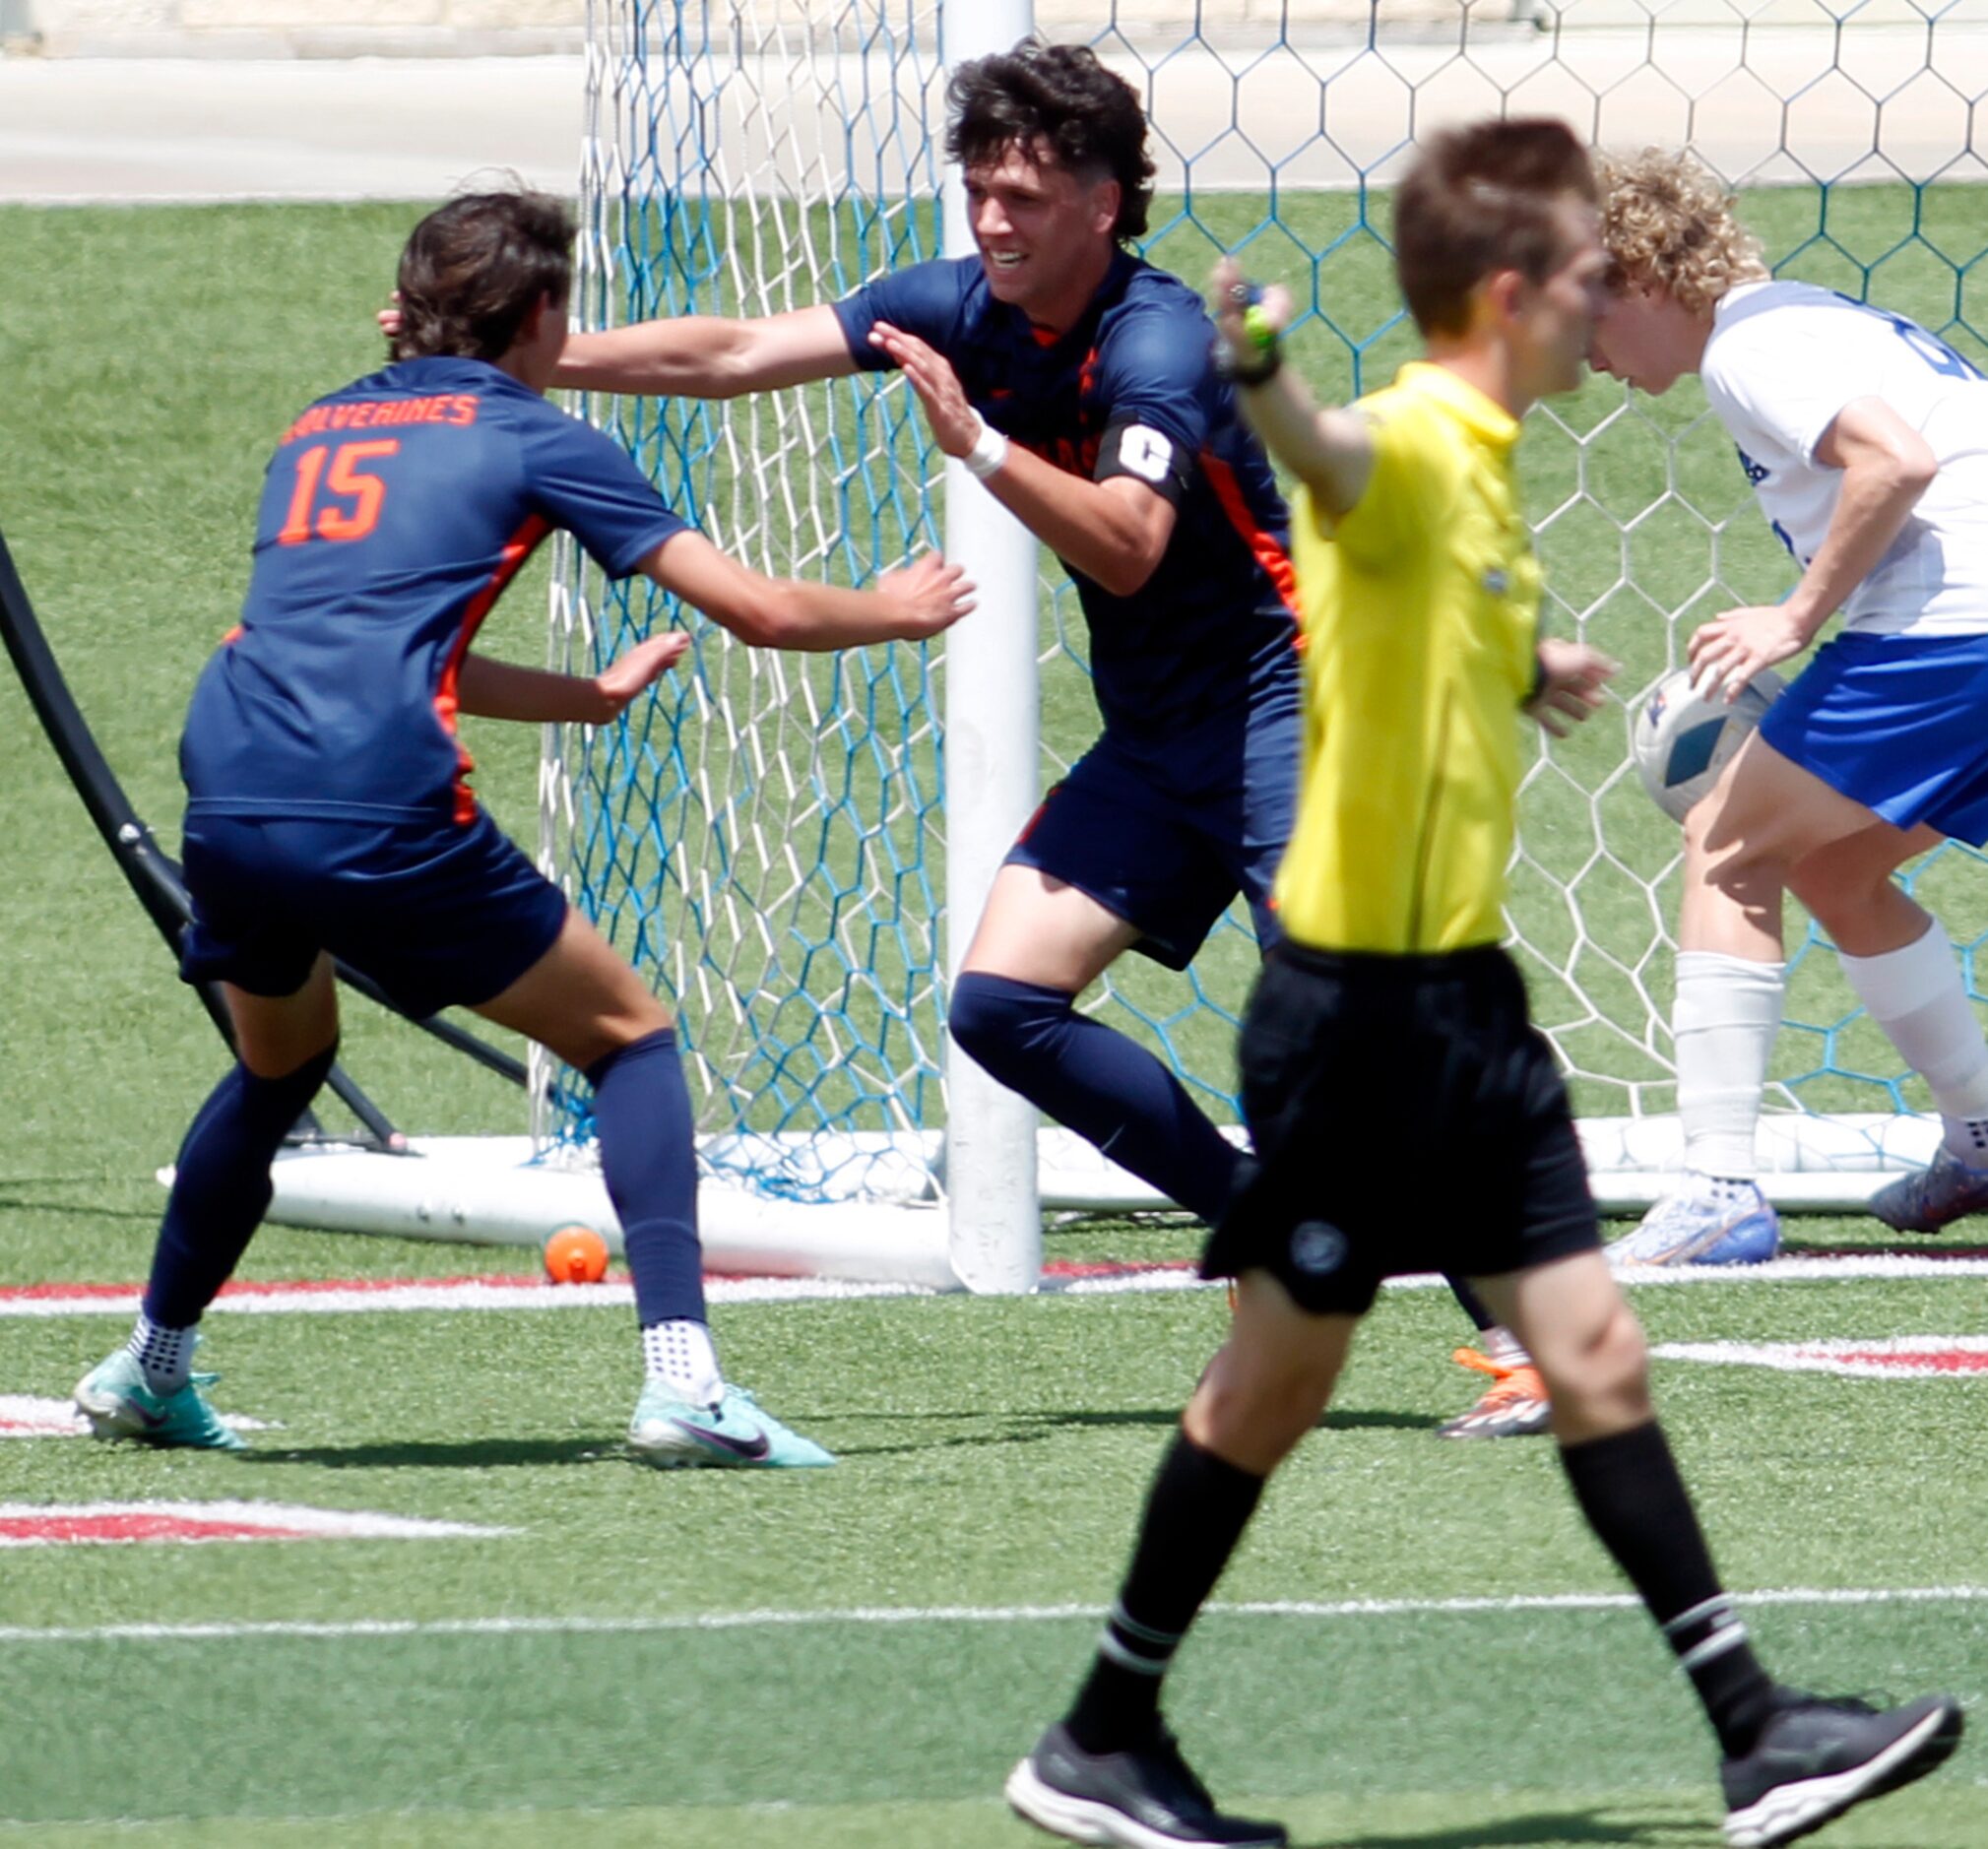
pixel 790 847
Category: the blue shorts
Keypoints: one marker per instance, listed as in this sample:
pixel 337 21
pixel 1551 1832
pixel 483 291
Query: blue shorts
pixel 1166 844
pixel 1896 723
pixel 436 913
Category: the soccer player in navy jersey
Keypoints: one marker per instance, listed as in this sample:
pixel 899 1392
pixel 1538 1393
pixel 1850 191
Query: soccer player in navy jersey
pixel 1075 381
pixel 329 814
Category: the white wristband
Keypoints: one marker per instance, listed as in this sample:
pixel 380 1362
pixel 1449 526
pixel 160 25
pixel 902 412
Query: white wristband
pixel 990 450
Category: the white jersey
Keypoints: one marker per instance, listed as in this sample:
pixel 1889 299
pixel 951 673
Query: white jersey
pixel 1783 359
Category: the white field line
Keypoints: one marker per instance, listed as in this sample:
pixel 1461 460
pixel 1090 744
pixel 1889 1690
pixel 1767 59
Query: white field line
pixel 26 1416
pixel 317 1299
pixel 767 1619
pixel 1888 1358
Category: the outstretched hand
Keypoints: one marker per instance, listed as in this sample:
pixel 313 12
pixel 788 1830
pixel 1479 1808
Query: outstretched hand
pixel 642 667
pixel 954 422
pixel 930 593
pixel 1574 674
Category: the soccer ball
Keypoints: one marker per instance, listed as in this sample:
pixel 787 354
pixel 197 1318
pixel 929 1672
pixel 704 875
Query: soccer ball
pixel 1682 742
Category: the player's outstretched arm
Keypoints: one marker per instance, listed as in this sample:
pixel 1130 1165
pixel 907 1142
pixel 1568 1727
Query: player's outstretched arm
pixel 707 356
pixel 922 600
pixel 1329 450
pixel 1115 531
pixel 696 356
pixel 1887 467
pixel 493 689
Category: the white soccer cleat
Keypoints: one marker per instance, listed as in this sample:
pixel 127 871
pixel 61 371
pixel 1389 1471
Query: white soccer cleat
pixel 1704 1223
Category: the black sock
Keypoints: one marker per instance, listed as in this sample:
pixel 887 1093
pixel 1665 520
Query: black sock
pixel 1196 1514
pixel 1628 1488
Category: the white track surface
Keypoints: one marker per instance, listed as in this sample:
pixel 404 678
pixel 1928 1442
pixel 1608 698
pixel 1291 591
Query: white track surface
pixel 126 130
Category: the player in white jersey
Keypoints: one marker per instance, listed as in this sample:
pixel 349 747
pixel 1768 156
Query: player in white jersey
pixel 1865 440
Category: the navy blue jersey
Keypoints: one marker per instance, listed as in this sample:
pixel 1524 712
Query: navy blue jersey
pixel 393 515
pixel 1129 391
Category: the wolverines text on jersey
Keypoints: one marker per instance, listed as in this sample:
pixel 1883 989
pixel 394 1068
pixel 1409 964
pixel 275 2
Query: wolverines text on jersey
pixel 393 515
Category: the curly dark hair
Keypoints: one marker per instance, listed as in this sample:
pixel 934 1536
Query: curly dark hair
pixel 1063 99
pixel 475 268
pixel 1483 198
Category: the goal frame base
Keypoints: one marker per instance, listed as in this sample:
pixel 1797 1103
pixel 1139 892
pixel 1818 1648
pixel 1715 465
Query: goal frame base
pixel 495 1191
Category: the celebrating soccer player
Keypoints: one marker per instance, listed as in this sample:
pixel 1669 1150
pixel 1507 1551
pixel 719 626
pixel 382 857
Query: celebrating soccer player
pixel 1389 1022
pixel 1075 381
pixel 1866 441
pixel 329 814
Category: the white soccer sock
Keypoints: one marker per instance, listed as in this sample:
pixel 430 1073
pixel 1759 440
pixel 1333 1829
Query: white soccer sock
pixel 1917 996
pixel 165 1355
pixel 1728 1011
pixel 1505 1348
pixel 679 1353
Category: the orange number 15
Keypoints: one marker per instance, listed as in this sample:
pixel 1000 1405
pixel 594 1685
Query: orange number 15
pixel 347 476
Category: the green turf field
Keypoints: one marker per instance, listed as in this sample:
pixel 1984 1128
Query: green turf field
pixel 848 1659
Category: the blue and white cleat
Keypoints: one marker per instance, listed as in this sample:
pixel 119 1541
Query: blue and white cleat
pixel 1935 1197
pixel 734 1434
pixel 118 1404
pixel 1704 1223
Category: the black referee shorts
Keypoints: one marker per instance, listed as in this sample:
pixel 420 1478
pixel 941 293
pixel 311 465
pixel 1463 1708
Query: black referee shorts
pixel 1406 1116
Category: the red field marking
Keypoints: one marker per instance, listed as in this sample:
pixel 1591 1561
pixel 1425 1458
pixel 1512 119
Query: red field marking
pixel 112 1524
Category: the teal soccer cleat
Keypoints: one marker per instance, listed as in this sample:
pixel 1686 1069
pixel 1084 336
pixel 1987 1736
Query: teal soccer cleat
pixel 1935 1197
pixel 118 1404
pixel 734 1434
pixel 1701 1224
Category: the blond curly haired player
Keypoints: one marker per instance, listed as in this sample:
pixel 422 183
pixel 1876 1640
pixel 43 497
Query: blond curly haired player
pixel 1865 440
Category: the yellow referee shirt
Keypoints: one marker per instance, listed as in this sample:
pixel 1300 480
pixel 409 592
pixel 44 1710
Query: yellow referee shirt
pixel 1420 612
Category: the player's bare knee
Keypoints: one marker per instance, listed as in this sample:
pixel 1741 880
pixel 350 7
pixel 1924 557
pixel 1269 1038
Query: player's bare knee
pixel 1252 1415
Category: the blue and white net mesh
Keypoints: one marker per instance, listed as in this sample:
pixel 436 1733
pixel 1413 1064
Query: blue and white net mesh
pixel 766 840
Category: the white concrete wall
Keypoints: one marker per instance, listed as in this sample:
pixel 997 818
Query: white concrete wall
pixel 278 28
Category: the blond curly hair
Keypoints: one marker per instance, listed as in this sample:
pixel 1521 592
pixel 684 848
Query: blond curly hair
pixel 1667 220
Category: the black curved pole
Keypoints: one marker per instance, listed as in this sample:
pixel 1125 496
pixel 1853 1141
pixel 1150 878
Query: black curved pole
pixel 151 873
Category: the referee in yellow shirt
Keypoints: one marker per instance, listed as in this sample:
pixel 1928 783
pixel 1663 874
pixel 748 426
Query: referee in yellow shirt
pixel 1390 1029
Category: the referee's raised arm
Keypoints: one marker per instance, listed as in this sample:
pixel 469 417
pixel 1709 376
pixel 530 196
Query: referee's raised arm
pixel 1329 450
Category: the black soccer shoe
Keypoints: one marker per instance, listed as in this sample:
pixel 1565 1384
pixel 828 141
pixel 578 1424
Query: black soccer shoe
pixel 1144 1798
pixel 1815 1758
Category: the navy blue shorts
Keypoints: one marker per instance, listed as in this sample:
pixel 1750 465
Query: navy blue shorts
pixel 1355 1068
pixel 1166 843
pixel 436 913
pixel 1896 723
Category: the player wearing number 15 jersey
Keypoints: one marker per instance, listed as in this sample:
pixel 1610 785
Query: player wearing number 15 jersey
pixel 329 814
pixel 1865 440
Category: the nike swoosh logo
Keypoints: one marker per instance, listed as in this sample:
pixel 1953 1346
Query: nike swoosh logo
pixel 748 1450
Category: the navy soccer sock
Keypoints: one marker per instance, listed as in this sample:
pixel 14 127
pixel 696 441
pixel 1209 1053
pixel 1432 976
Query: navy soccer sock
pixel 220 1185
pixel 1091 1078
pixel 1628 1488
pixel 1195 1513
pixel 649 1162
